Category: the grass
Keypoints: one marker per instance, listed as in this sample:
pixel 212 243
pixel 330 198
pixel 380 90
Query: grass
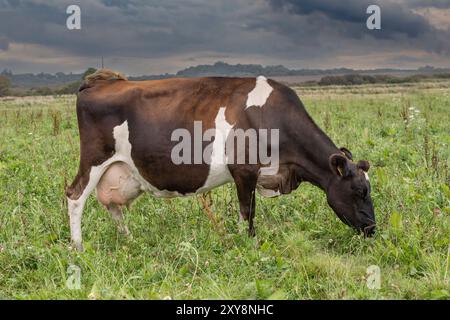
pixel 302 251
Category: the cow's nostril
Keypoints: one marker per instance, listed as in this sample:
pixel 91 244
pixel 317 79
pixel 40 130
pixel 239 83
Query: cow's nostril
pixel 369 230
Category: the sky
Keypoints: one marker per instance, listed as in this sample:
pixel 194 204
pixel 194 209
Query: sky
pixel 140 37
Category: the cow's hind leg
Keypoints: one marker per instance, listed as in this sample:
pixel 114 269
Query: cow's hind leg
pixel 117 216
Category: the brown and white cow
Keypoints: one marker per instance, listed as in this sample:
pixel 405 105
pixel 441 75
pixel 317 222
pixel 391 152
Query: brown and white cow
pixel 126 145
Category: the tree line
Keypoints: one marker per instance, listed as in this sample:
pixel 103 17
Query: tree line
pixel 6 88
pixel 358 79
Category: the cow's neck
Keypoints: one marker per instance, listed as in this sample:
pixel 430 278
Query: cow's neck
pixel 313 157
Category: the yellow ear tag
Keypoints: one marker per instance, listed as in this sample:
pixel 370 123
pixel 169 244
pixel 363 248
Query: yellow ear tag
pixel 346 157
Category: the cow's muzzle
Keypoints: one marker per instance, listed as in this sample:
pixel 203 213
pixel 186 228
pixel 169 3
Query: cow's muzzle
pixel 369 230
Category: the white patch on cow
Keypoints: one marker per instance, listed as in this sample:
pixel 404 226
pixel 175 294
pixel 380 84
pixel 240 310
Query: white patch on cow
pixel 366 175
pixel 218 169
pixel 260 93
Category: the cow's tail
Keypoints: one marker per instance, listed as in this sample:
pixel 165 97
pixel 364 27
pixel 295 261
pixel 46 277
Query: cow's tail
pixel 101 74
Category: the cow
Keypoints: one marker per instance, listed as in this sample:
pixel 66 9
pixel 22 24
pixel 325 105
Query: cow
pixel 127 144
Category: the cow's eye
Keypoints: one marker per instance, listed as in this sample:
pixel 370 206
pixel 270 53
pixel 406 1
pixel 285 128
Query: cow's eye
pixel 365 192
pixel 361 192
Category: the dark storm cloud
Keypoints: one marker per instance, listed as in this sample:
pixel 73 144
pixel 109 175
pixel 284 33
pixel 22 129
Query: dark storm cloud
pixel 352 10
pixel 401 26
pixel 116 3
pixel 396 18
pixel 4 44
pixel 132 28
pixel 444 4
pixel 198 30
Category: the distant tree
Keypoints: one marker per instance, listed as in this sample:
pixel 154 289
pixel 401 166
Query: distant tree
pixel 70 88
pixel 89 71
pixel 44 91
pixel 40 91
pixel 7 73
pixel 5 85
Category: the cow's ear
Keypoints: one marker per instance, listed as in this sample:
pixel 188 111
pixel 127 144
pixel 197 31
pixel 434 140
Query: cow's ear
pixel 364 165
pixel 339 165
pixel 347 153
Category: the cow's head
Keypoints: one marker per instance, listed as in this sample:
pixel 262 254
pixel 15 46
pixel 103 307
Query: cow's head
pixel 349 192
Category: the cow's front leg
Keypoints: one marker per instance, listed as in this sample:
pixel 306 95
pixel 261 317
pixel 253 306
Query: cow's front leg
pixel 246 185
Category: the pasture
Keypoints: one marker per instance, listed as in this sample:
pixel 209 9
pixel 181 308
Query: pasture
pixel 302 250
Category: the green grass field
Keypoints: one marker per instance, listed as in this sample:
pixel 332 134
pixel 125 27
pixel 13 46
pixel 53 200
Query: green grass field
pixel 302 250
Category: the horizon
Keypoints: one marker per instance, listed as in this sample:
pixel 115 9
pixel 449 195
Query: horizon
pixel 420 68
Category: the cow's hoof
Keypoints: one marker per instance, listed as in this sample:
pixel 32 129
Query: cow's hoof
pixel 242 227
pixel 257 242
pixel 123 230
pixel 77 246
pixel 128 235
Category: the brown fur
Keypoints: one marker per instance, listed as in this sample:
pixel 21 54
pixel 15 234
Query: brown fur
pixel 103 74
